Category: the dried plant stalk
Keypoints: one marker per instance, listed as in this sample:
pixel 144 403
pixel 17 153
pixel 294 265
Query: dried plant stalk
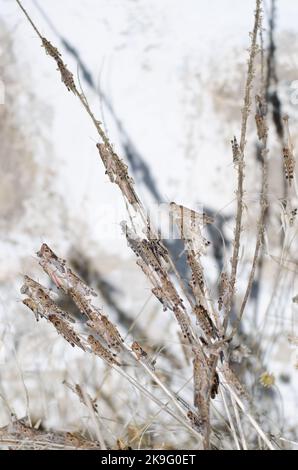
pixel 18 435
pixel 288 153
pixel 240 163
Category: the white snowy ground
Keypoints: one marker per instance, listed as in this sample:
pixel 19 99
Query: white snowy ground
pixel 173 73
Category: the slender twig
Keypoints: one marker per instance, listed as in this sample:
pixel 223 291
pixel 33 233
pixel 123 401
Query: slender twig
pixel 250 417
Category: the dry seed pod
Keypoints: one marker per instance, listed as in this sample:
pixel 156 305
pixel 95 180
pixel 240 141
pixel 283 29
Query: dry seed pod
pixel 293 215
pixel 195 420
pixel 214 385
pixel 74 282
pixel 261 127
pixel 159 294
pixel 187 353
pixel 148 251
pixel 126 186
pixel 80 442
pixel 61 275
pixel 184 324
pixel 233 380
pixel 197 275
pixel 190 216
pixel 40 302
pixel 202 385
pixel 142 355
pixel 66 331
pixel 48 306
pixel 235 150
pixel 30 286
pixel 66 75
pixel 293 340
pixel 43 309
pixel 223 289
pixel 118 173
pixel 33 306
pixel 134 242
pixel 29 438
pixel 239 353
pixel 289 164
pixel 102 352
pixel 190 224
pixel 107 330
pixel 267 380
pixel 288 153
pixel 205 321
pixel 215 379
pixel 85 398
